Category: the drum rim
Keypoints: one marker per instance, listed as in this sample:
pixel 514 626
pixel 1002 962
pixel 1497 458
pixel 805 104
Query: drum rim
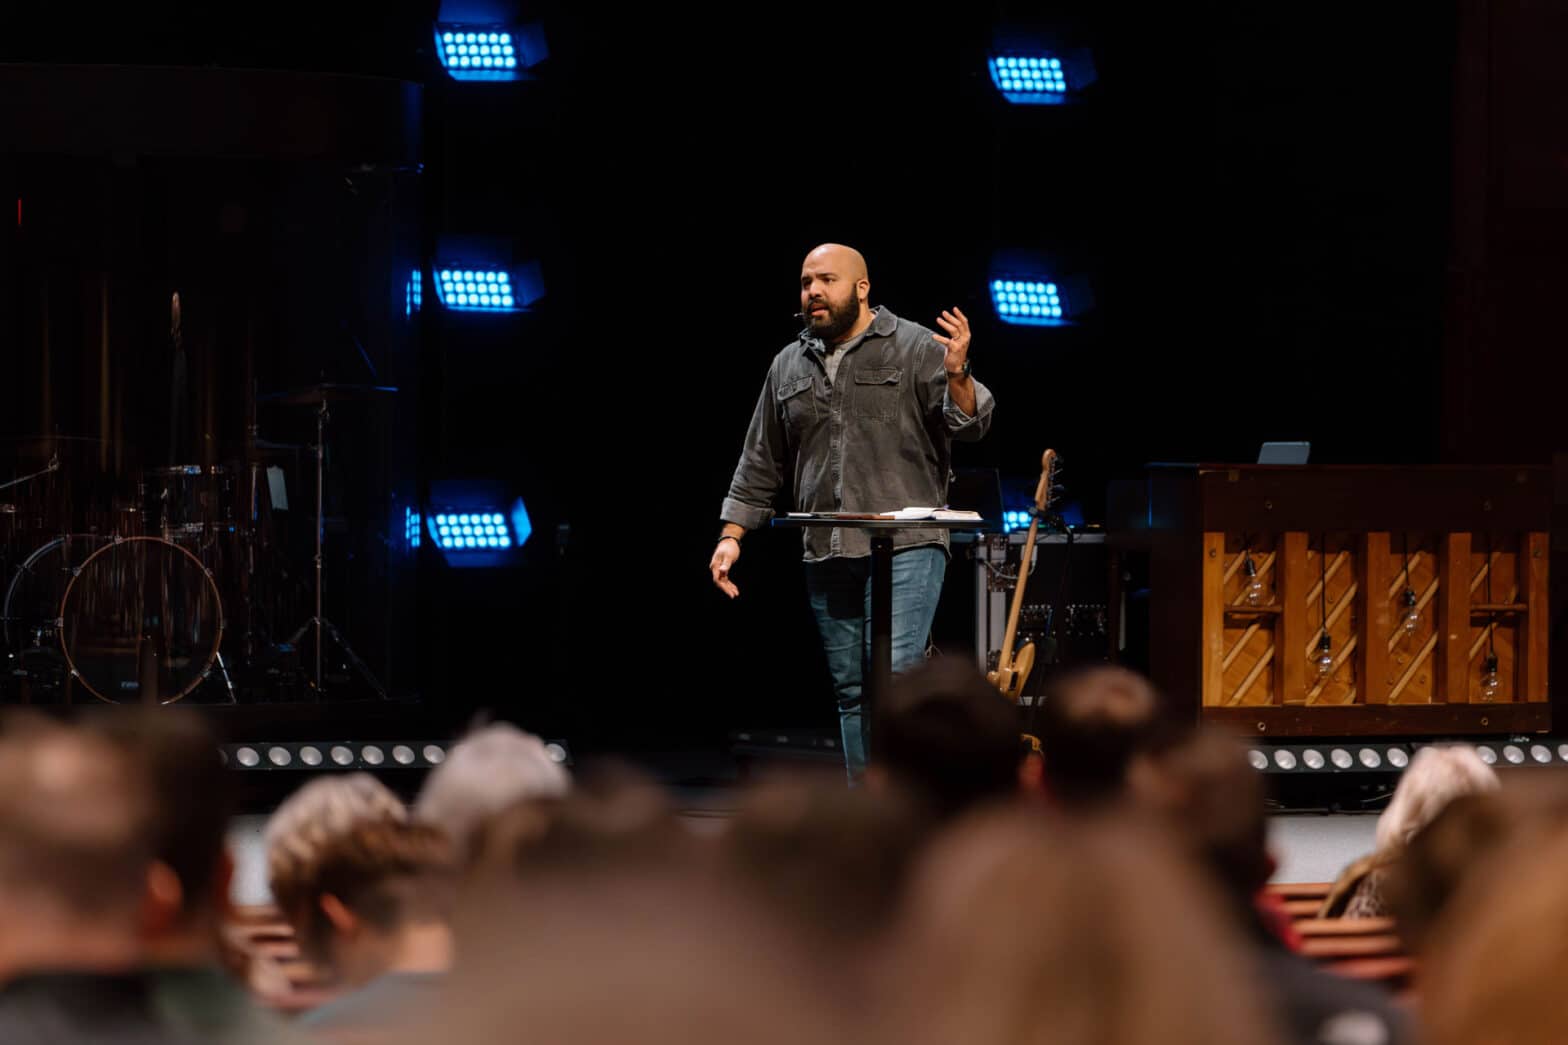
pixel 22 568
pixel 217 638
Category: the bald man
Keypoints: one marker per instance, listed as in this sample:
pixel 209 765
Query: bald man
pixel 860 410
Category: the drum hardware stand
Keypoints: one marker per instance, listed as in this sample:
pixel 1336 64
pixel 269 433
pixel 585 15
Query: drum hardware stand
pixel 318 622
pixel 228 683
pixel 53 466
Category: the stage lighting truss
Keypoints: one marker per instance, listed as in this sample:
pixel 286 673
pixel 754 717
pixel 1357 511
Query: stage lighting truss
pixel 348 755
pixel 1379 757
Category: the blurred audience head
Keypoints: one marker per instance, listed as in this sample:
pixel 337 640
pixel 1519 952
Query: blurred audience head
pixel 1019 930
pixel 299 832
pixel 946 735
pixel 74 847
pixel 191 801
pixel 1092 724
pixel 832 863
pixel 1435 777
pixel 614 819
pixel 1492 970
pixel 492 768
pixel 1202 789
pixel 377 886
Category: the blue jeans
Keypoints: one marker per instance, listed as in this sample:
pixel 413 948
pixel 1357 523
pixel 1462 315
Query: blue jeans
pixel 840 593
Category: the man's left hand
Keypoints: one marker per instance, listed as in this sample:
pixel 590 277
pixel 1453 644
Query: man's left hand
pixel 957 340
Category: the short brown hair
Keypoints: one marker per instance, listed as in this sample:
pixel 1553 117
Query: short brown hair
pixel 310 820
pixel 1092 723
pixel 388 873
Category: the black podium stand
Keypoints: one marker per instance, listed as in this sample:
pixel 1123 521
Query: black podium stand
pixel 881 532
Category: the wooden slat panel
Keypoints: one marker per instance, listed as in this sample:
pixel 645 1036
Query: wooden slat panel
pixel 1239 645
pixel 1345 926
pixel 1290 632
pixel 1453 618
pixel 1372 612
pixel 1416 664
pixel 1377 720
pixel 1213 619
pixel 1397 578
pixel 1380 945
pixel 1251 678
pixel 1335 621
pixel 1535 642
pixel 1301 890
pixel 1336 563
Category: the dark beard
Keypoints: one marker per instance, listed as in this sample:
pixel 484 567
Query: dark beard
pixel 838 322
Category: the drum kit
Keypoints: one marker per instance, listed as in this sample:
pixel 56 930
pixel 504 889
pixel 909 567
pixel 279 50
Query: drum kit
pixel 117 587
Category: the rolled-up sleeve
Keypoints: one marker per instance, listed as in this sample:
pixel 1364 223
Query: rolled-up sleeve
pixel 934 394
pixel 962 426
pixel 762 465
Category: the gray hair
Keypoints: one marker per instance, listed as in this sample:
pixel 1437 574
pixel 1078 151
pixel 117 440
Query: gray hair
pixel 490 769
pixel 1437 776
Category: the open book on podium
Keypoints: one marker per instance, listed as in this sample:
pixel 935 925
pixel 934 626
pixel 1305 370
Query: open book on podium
pixel 902 515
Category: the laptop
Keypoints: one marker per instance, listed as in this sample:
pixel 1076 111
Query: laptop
pixel 1284 453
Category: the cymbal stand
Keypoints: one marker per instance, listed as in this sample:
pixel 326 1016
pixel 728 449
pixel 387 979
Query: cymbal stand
pixel 318 622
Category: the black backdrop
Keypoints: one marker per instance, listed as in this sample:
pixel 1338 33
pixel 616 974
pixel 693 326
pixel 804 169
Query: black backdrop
pixel 1260 195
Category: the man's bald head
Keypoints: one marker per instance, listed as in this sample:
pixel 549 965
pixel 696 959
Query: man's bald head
pixel 835 291
pixel 846 261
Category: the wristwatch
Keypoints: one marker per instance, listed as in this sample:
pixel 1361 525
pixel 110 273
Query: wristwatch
pixel 960 373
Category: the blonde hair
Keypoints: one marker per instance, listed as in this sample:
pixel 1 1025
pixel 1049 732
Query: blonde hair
pixel 1436 776
pixel 310 821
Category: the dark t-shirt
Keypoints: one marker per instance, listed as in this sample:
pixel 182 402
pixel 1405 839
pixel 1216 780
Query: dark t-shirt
pixel 68 1008
pixel 1320 1008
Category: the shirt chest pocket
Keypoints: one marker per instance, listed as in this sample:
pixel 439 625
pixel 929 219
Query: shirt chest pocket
pixel 877 391
pixel 796 403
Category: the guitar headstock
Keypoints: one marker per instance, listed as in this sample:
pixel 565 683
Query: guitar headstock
pixel 1049 493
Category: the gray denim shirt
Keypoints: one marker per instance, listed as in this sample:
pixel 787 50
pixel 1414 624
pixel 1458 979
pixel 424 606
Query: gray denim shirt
pixel 876 439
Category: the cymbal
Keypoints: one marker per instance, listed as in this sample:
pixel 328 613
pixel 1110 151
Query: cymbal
pixel 42 446
pixel 326 392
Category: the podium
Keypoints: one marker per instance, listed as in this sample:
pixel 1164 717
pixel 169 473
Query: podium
pixel 880 530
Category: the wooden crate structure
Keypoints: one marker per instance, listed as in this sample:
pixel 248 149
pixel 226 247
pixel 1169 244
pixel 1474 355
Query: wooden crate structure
pixel 1419 575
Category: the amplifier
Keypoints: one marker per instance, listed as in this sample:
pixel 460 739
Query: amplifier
pixel 1075 580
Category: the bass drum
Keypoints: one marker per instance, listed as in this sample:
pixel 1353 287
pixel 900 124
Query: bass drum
pixel 140 621
pixel 31 610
